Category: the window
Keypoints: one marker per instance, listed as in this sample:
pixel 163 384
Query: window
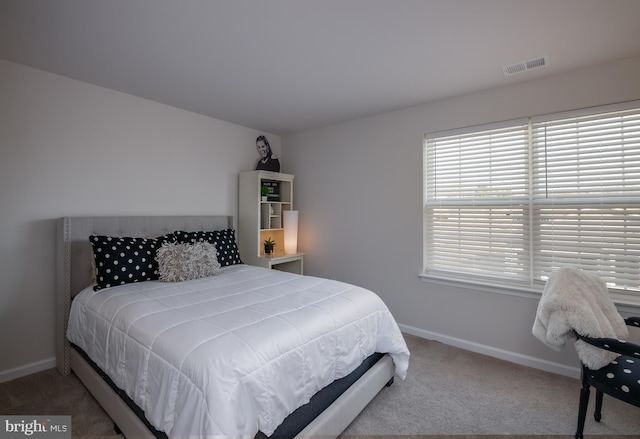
pixel 505 204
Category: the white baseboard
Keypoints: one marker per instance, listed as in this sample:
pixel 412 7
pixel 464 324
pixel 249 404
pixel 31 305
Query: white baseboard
pixel 27 369
pixel 525 360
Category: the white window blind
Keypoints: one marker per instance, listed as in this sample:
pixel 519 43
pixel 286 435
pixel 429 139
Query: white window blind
pixel 507 204
pixel 586 195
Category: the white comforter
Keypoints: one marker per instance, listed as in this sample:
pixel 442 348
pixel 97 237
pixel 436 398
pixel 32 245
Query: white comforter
pixel 235 353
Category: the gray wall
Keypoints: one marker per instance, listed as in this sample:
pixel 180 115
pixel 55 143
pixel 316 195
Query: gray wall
pixel 359 192
pixel 68 148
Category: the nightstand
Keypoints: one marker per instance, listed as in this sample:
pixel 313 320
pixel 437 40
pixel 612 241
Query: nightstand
pixel 284 262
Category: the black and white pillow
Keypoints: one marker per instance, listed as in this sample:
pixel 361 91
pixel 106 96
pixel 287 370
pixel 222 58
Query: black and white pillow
pixel 224 240
pixel 228 253
pixel 123 260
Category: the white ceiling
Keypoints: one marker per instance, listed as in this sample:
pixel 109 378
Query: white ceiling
pixel 282 66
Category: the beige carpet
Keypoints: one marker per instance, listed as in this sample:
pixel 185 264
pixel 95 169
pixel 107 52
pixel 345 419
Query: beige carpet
pixel 448 391
pixel 49 393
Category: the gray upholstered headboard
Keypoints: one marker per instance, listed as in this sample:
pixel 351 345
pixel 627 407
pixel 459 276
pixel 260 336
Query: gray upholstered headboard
pixel 73 264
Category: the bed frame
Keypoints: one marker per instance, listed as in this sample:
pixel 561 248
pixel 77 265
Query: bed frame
pixel 74 272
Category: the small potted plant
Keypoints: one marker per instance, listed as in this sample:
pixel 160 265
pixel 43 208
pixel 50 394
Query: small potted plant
pixel 264 191
pixel 268 246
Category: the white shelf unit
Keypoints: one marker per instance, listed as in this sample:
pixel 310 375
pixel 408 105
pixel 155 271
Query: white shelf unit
pixel 259 220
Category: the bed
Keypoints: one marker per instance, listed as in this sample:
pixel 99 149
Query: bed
pixel 244 394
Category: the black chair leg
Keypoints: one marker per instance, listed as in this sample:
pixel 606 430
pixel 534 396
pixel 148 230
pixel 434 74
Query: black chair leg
pixel 597 415
pixel 582 409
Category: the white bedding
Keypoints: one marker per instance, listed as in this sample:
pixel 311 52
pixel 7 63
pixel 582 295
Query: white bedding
pixel 235 353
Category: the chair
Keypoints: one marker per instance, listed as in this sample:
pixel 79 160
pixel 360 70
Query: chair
pixel 620 378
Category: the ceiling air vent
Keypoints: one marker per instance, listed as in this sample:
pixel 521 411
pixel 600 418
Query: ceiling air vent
pixel 525 66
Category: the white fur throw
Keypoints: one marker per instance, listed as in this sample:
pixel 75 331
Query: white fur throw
pixel 574 300
pixel 180 262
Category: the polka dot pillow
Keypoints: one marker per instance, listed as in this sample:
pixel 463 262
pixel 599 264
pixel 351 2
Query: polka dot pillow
pixel 224 240
pixel 120 261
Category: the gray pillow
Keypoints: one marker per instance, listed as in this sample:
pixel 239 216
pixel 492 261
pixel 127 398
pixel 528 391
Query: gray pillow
pixel 179 262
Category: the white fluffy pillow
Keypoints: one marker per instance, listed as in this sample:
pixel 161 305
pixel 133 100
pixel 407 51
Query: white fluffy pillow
pixel 179 262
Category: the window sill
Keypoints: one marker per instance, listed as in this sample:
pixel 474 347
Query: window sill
pixel 625 301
